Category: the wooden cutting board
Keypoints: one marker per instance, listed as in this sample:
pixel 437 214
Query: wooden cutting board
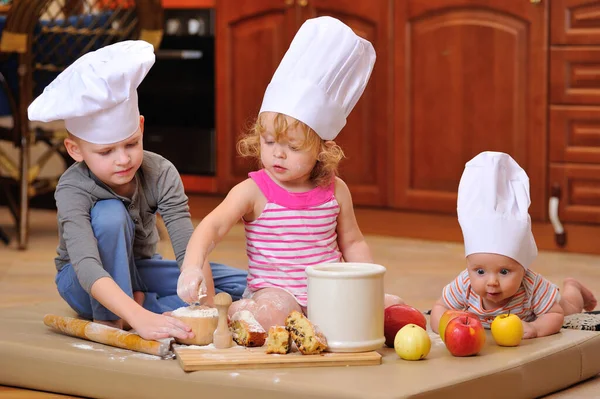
pixel 239 357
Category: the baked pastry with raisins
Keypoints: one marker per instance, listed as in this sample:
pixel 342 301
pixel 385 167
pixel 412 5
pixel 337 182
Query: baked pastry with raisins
pixel 279 340
pixel 246 330
pixel 307 337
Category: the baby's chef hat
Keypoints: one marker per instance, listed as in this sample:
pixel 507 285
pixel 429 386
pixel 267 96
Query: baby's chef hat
pixel 493 199
pixel 321 76
pixel 97 94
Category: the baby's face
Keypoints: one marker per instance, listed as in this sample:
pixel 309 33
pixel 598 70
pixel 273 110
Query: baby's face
pixel 495 278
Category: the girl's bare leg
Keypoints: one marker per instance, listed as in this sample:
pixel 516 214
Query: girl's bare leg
pixel 390 300
pixel 269 306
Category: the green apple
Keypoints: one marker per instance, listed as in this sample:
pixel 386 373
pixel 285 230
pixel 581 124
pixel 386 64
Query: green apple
pixel 507 330
pixel 412 342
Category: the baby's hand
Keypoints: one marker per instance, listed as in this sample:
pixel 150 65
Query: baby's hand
pixel 529 330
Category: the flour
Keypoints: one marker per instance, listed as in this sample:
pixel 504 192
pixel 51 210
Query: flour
pixel 144 356
pixel 208 347
pixel 245 315
pixel 116 353
pixel 189 311
pixel 86 347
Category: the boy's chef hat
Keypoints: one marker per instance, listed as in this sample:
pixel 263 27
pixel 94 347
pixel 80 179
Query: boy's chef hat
pixel 321 76
pixel 493 202
pixel 97 94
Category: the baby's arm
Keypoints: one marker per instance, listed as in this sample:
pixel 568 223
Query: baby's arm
pixel 547 324
pixel 436 313
pixel 352 243
pixel 148 325
pixel 238 203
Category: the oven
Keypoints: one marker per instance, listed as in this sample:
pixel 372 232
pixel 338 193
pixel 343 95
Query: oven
pixel 177 97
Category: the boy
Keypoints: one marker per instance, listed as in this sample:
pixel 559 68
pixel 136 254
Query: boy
pixel 107 201
pixel 493 202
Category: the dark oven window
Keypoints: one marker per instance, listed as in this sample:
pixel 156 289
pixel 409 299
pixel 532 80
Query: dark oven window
pixel 177 97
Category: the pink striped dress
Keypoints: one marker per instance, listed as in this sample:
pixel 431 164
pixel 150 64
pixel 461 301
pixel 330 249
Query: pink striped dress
pixel 295 230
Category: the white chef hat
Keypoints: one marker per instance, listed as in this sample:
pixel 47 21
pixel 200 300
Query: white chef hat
pixel 96 96
pixel 493 202
pixel 321 76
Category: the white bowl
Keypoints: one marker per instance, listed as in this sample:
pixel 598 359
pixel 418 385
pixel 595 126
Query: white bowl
pixel 345 300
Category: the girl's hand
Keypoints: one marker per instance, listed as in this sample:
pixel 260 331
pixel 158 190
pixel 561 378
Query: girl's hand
pixel 154 326
pixel 189 284
pixel 529 330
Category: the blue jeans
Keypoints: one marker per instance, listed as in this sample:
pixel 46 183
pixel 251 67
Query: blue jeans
pixel 156 277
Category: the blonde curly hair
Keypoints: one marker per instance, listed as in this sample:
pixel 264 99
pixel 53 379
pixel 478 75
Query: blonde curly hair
pixel 328 153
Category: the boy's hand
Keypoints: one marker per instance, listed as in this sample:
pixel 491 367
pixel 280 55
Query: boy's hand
pixel 529 330
pixel 190 287
pixel 154 326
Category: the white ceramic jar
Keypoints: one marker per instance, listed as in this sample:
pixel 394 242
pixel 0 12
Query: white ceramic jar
pixel 345 300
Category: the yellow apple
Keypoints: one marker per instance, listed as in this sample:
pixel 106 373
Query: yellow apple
pixel 507 330
pixel 412 342
pixel 445 319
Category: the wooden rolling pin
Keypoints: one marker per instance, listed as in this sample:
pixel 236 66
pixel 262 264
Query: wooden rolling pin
pixel 106 335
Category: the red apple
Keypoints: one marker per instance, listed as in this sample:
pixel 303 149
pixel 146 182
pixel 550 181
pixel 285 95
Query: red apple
pixel 446 317
pixel 464 336
pixel 396 317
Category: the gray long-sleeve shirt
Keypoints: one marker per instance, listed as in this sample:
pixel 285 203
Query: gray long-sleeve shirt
pixel 159 188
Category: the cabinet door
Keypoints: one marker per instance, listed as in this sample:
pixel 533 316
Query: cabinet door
pixel 575 22
pixel 366 136
pixel 252 37
pixel 470 76
pixel 574 134
pixel 579 192
pixel 575 75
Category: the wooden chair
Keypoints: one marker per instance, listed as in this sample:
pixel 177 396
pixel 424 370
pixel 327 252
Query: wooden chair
pixel 39 40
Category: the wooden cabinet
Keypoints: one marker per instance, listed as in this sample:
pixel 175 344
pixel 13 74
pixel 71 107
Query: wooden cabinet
pixel 252 39
pixel 574 134
pixel 368 130
pixel 575 22
pixel 575 109
pixel 469 76
pixel 452 78
pixel 580 191
pixel 575 74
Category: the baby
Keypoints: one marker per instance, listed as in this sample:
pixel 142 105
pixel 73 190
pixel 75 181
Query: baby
pixel 493 202
pixel 296 212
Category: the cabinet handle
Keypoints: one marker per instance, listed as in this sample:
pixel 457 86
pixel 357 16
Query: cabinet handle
pixel 535 1
pixel 289 3
pixel 302 3
pixel 560 235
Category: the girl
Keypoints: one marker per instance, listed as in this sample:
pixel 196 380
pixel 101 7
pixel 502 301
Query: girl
pixel 296 212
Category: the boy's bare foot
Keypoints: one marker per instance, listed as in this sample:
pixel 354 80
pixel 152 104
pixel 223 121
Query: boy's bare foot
pixel 111 323
pixel 139 297
pixel 390 300
pixel 589 300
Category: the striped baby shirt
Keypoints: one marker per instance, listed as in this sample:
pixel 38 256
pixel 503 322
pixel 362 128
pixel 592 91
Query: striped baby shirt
pixel 295 230
pixel 534 298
